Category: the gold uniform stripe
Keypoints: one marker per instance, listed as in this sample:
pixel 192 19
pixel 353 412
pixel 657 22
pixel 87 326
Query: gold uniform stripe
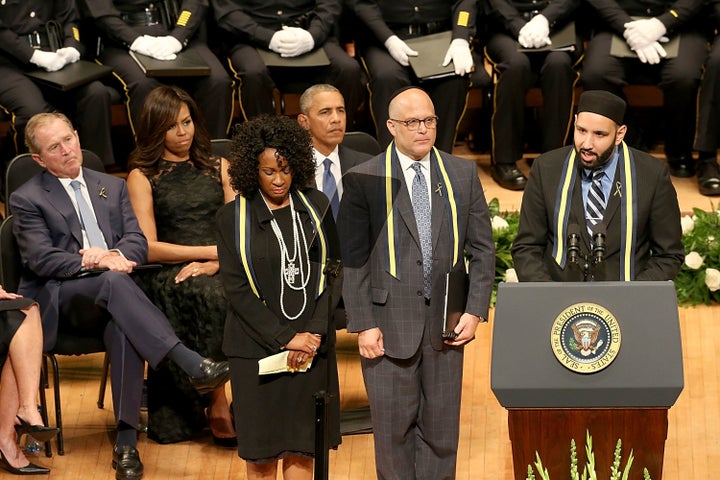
pixel 323 244
pixel 76 34
pixel 184 18
pixel 453 207
pixel 392 267
pixel 243 245
pixel 562 208
pixel 629 217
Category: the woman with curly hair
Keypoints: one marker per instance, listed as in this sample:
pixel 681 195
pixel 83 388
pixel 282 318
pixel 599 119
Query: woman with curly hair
pixel 176 186
pixel 275 240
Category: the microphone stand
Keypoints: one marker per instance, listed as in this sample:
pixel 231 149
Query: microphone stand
pixel 324 398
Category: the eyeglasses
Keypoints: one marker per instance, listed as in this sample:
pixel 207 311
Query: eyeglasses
pixel 413 123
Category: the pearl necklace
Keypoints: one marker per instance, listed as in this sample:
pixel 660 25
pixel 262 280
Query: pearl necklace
pixel 288 270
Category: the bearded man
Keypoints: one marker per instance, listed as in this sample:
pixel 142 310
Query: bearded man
pixel 601 199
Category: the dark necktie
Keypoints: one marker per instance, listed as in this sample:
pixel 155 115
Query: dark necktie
pixel 329 187
pixel 421 206
pixel 595 207
pixel 87 219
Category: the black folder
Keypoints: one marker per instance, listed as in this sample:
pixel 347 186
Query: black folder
pixel 457 284
pixel 431 53
pixel 71 76
pixel 188 63
pixel 315 58
pixel 563 40
pixel 619 48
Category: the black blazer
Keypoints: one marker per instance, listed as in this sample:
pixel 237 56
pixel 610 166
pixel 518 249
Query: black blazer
pixel 659 250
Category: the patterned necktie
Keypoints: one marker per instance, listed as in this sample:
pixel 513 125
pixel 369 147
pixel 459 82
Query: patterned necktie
pixel 421 206
pixel 595 207
pixel 329 187
pixel 87 219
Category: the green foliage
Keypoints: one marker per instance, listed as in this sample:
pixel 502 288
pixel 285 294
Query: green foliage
pixel 589 472
pixel 704 238
pixel 504 238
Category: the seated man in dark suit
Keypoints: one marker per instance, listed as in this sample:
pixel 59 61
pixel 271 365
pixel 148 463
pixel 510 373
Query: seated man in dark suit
pixel 323 114
pixel 69 219
pixel 322 110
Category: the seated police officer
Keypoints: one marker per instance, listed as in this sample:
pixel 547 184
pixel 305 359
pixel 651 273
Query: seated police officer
pixel 385 56
pixel 43 34
pixel 161 30
pixel 289 28
pixel 645 27
pixel 528 24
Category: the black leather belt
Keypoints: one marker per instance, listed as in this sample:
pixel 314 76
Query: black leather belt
pixel 149 16
pixel 418 29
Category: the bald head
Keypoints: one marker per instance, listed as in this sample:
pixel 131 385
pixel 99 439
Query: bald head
pixel 416 140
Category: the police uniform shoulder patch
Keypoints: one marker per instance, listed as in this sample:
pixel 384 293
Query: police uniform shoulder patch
pixel 585 338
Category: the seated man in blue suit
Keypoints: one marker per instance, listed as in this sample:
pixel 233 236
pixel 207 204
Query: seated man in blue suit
pixel 69 219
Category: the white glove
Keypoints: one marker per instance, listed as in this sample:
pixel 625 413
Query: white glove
pixel 399 50
pixel 70 54
pixel 641 33
pixel 165 48
pixel 279 38
pixel 50 61
pixel 160 48
pixel 142 45
pixel 459 53
pixel 651 53
pixel 295 41
pixel 535 33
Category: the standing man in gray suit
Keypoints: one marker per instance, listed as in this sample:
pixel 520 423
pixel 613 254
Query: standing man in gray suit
pixel 399 239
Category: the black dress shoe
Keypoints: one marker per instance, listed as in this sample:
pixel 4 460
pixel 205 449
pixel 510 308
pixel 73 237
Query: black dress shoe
pixel 508 176
pixel 126 462
pixel 709 177
pixel 29 469
pixel 214 374
pixel 41 433
pixel 682 166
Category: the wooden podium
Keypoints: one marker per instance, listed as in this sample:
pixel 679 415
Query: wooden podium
pixel 549 404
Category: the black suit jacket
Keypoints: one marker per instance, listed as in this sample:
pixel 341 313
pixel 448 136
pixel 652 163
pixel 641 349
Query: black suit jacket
pixel 659 250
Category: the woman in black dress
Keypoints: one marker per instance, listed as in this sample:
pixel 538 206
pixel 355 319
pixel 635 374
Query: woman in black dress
pixel 20 356
pixel 176 186
pixel 275 241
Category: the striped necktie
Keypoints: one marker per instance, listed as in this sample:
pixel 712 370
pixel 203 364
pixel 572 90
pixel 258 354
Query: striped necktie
pixel 595 207
pixel 421 206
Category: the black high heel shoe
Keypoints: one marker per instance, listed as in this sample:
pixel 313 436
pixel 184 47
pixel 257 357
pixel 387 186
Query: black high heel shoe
pixel 29 469
pixel 41 433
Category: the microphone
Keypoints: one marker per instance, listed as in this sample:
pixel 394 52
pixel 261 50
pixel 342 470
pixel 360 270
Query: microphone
pixel 573 241
pixel 598 239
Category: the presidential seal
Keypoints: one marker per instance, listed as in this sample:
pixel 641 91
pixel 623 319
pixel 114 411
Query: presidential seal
pixel 585 338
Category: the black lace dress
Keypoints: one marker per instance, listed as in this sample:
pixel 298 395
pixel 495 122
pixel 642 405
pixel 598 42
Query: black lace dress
pixel 185 201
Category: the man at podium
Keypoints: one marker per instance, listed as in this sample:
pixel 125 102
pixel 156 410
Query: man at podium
pixel 598 210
